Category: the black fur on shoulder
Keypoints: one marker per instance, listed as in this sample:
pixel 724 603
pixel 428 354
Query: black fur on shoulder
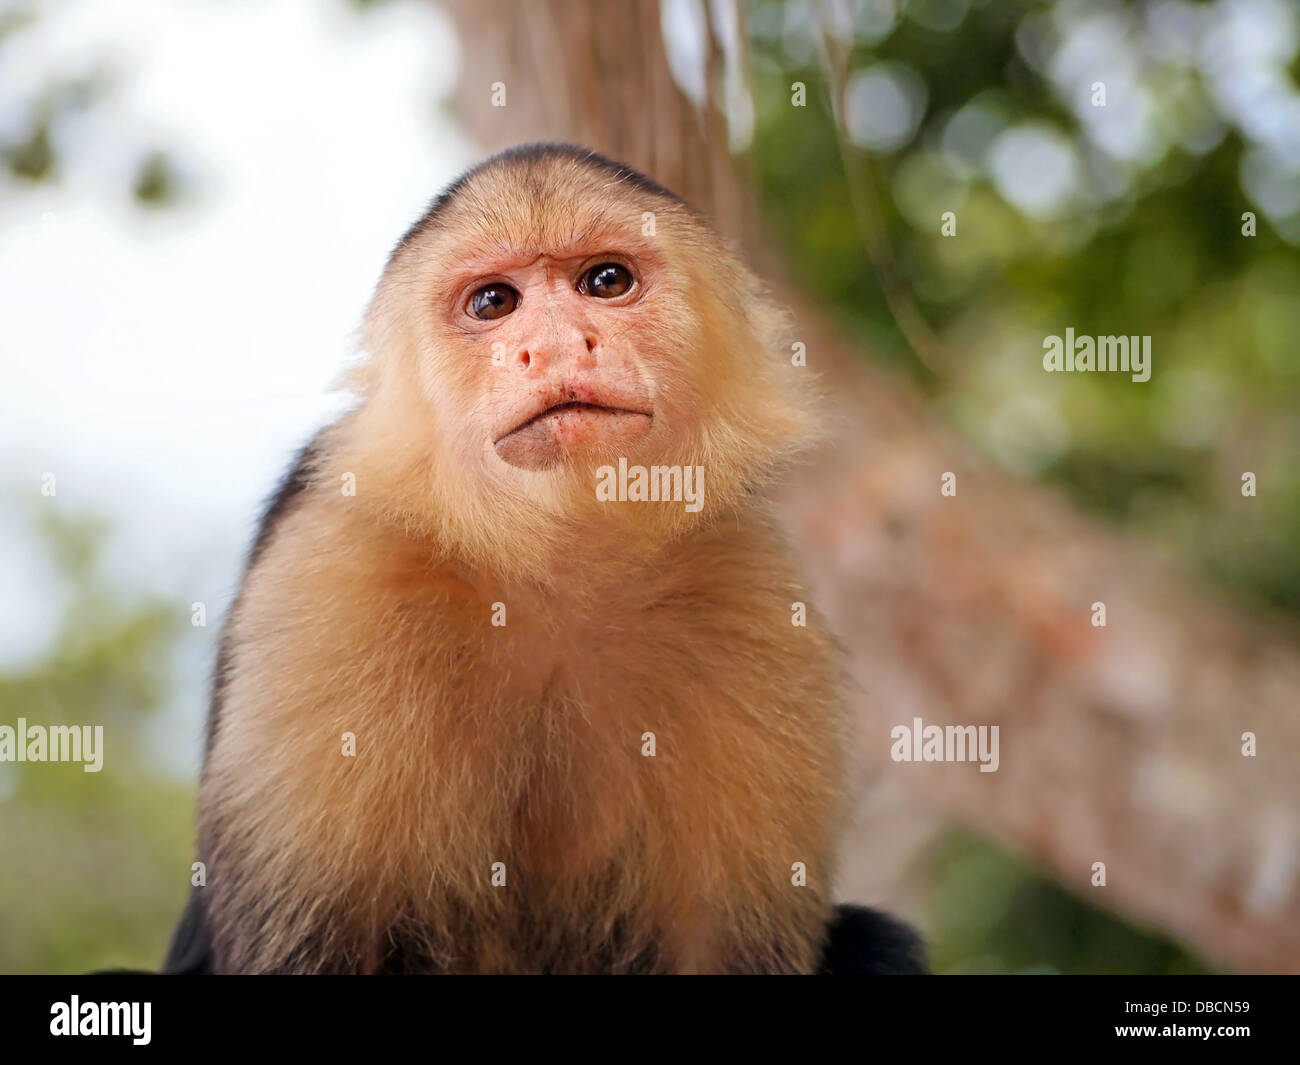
pixel 190 953
pixel 861 942
pixel 865 942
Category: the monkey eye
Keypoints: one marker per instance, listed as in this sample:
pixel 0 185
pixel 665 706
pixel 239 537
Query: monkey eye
pixel 492 301
pixel 606 281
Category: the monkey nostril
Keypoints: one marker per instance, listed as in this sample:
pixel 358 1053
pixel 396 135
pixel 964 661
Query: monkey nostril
pixel 525 358
pixel 591 345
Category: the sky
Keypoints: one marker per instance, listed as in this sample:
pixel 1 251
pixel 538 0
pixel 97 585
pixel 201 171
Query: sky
pixel 165 364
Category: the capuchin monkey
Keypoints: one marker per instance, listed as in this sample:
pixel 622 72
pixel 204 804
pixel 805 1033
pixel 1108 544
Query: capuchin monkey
pixel 518 678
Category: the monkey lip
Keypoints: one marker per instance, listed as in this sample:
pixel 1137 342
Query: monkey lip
pixel 561 428
pixel 558 410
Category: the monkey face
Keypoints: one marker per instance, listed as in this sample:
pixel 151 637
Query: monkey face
pixel 553 337
pixel 552 316
pixel 566 376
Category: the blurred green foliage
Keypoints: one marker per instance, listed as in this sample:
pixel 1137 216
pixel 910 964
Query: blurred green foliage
pixel 1156 248
pixel 992 913
pixel 94 867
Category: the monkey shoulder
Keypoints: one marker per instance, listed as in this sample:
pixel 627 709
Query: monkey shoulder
pixel 865 942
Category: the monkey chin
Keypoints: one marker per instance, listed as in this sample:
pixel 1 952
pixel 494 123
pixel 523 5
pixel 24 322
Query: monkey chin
pixel 571 431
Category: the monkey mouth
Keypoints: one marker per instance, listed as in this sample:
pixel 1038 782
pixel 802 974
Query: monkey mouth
pixel 567 427
pixel 557 410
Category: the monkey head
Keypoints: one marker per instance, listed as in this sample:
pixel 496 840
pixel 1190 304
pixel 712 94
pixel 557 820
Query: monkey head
pixel 552 314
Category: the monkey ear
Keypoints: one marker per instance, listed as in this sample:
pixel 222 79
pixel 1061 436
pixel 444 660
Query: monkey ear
pixel 865 942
